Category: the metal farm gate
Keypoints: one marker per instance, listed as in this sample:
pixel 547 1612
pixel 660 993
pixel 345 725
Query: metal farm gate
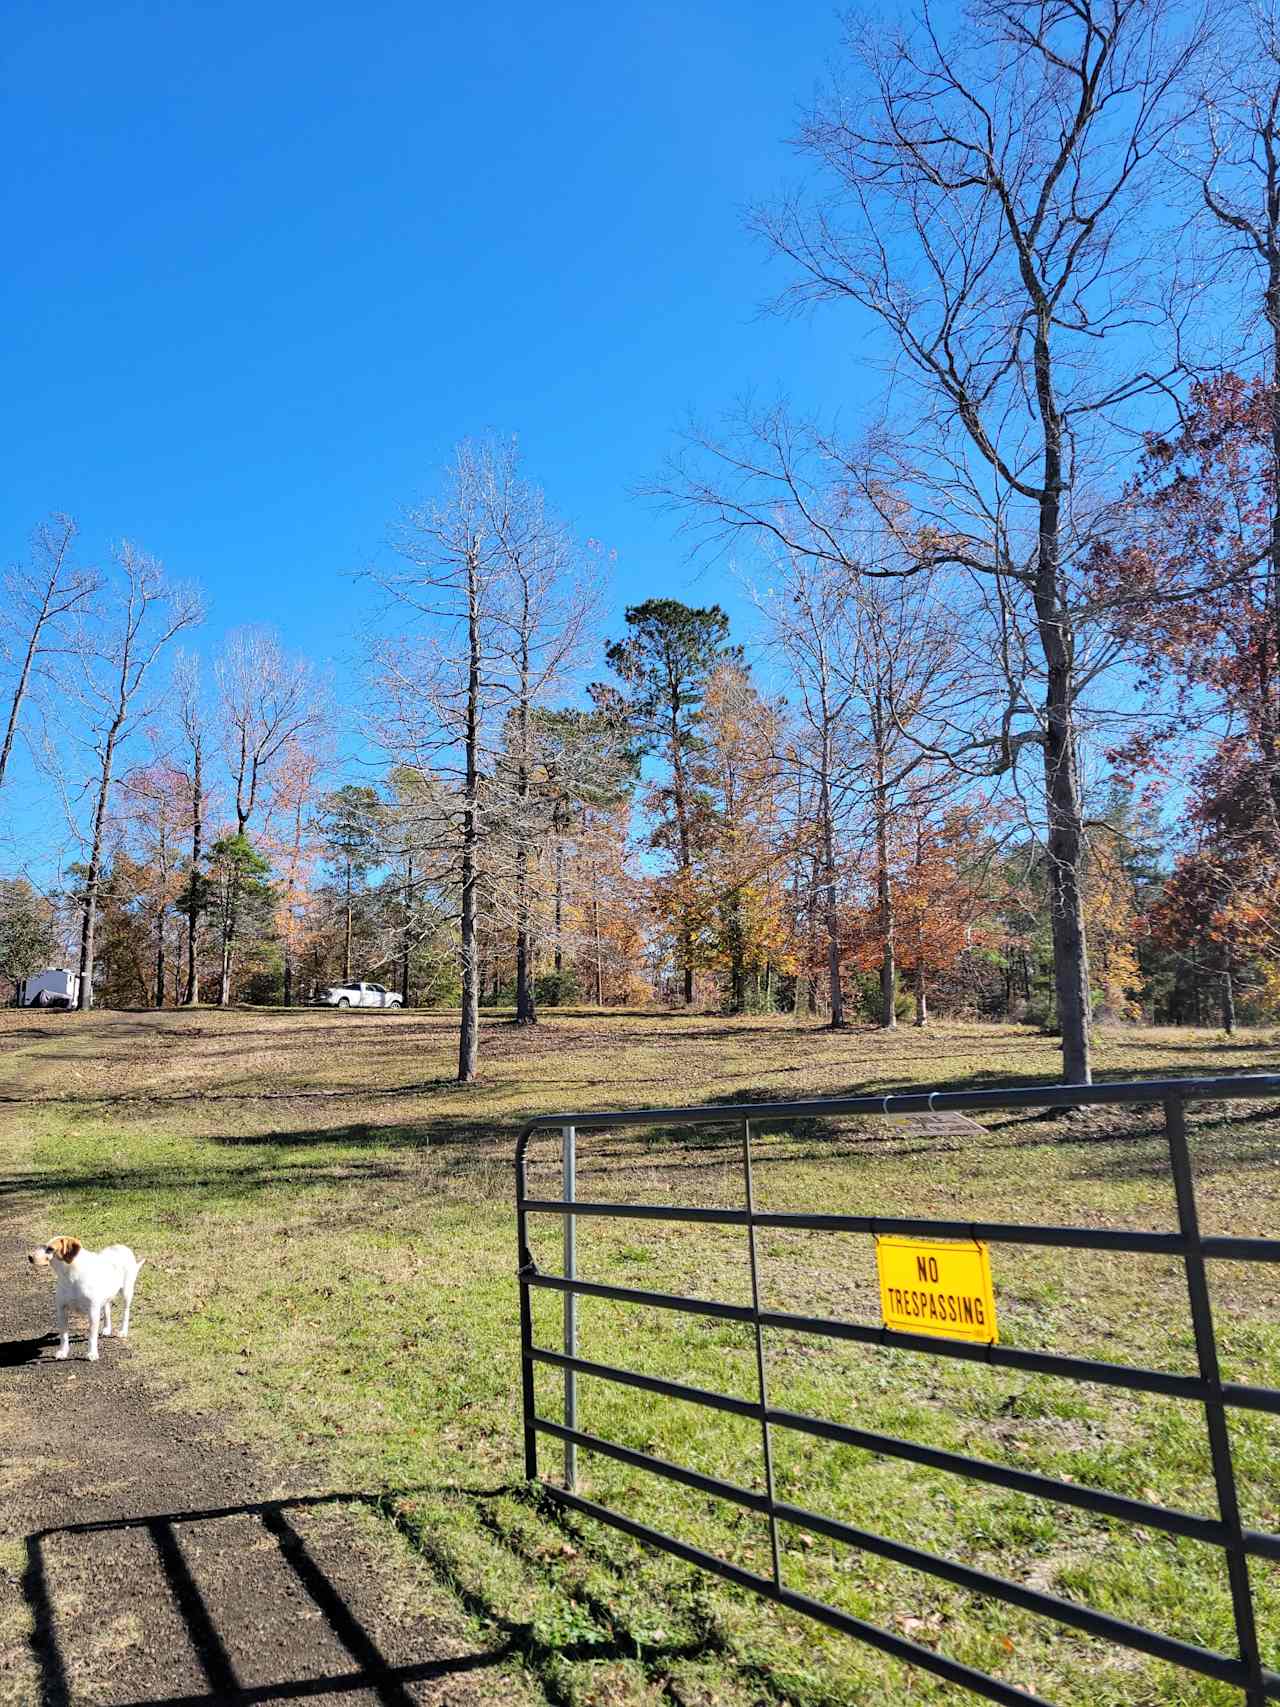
pixel 1244 1669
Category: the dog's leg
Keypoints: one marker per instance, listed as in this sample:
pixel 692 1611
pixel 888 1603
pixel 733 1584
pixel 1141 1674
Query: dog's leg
pixel 131 1280
pixel 64 1350
pixel 93 1336
pixel 106 1320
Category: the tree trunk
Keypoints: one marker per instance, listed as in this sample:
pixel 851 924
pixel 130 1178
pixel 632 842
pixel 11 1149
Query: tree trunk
pixel 228 933
pixel 469 1024
pixel 526 1013
pixel 1065 848
pixel 230 917
pixel 163 910
pixel 559 905
pixel 682 827
pixel 888 981
pixel 346 940
pixel 802 904
pixel 810 974
pixel 408 927
pixel 1269 732
pixel 884 893
pixel 1228 999
pixel 829 906
pixel 193 912
pixel 595 909
pixel 1062 784
pixel 90 918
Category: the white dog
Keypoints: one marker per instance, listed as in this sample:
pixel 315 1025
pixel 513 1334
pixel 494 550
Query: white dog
pixel 87 1281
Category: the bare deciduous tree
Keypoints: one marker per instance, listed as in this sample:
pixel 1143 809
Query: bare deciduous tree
pixel 902 662
pixel 989 201
pixel 872 665
pixel 111 656
pixel 549 598
pixel 266 701
pixel 495 625
pixel 38 597
pixel 806 612
pixel 191 723
pixel 295 791
pixel 1238 176
pixel 1237 172
pixel 443 684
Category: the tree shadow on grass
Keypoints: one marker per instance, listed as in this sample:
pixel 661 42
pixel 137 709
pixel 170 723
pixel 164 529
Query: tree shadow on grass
pixel 194 1185
pixel 1221 1143
pixel 1225 1046
pixel 316 1095
pixel 988 1081
pixel 445 1131
pixel 373 1154
pixel 1131 1145
pixel 471 1156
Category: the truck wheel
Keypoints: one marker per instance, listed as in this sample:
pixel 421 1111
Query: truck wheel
pixel 343 1002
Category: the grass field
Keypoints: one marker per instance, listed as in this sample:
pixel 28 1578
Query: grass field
pixel 329 1220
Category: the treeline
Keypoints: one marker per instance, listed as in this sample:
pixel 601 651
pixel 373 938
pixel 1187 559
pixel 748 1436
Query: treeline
pixel 686 835
pixel 1010 621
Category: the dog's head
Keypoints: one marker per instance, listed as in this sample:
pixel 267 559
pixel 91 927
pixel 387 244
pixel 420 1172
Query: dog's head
pixel 60 1249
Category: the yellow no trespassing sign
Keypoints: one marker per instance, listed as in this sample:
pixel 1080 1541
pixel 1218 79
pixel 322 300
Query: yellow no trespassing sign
pixel 937 1286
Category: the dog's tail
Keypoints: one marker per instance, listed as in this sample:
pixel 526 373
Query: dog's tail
pixel 141 1260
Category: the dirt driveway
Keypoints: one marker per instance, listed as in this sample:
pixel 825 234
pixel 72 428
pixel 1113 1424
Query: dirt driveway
pixel 146 1558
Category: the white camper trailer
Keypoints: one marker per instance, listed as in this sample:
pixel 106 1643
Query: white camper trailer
pixel 59 987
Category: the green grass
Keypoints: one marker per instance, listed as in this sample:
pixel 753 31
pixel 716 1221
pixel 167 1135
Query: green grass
pixel 335 1272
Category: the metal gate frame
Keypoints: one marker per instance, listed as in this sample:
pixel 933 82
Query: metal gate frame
pixel 1244 1670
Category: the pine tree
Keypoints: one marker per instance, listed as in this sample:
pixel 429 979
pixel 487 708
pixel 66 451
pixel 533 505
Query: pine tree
pixel 666 660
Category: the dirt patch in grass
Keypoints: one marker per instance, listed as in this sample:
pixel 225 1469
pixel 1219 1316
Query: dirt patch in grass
pixel 147 1556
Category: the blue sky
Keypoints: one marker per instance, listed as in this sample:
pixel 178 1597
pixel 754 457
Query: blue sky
pixel 267 264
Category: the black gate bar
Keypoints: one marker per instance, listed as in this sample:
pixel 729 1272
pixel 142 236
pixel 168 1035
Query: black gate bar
pixel 1244 1670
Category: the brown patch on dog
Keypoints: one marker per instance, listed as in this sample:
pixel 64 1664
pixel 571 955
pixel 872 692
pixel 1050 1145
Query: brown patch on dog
pixel 67 1249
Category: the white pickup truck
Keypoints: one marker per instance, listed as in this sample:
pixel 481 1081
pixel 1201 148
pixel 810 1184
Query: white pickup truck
pixel 359 996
